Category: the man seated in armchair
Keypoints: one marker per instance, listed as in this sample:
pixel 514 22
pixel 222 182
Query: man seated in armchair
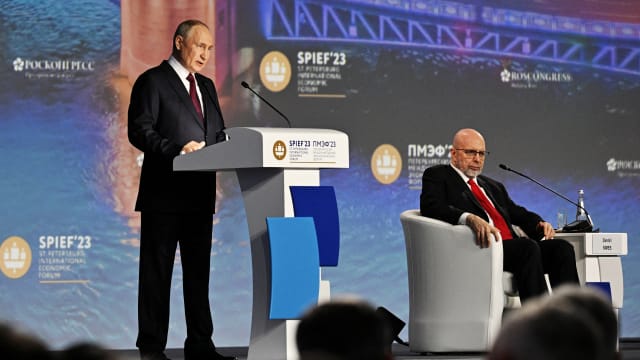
pixel 458 194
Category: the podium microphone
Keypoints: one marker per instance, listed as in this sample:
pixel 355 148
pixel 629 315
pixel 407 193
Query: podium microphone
pixel 576 226
pixel 246 86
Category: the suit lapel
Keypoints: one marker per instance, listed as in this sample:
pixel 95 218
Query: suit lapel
pixel 487 190
pixel 465 191
pixel 485 186
pixel 182 93
pixel 208 95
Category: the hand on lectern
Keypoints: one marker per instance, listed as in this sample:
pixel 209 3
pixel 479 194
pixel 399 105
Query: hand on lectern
pixel 192 146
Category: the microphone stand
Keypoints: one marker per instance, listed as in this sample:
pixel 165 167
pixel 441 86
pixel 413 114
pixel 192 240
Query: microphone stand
pixel 504 167
pixel 246 86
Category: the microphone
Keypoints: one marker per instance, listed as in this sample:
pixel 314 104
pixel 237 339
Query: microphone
pixel 246 86
pixel 576 226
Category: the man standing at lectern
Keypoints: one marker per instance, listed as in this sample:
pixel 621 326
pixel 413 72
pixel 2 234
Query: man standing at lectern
pixel 458 194
pixel 175 110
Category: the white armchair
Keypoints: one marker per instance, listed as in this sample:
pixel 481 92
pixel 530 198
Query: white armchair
pixel 456 293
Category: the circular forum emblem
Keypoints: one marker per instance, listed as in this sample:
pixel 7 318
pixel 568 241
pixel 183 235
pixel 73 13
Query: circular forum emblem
pixel 386 164
pixel 15 257
pixel 275 71
pixel 279 150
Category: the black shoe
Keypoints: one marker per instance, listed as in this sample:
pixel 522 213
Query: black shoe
pixel 217 356
pixel 203 350
pixel 153 356
pixel 210 355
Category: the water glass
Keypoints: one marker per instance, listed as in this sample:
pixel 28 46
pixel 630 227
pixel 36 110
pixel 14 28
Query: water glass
pixel 562 220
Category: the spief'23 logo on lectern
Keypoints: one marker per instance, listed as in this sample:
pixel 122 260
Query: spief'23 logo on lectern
pixel 279 150
pixel 15 257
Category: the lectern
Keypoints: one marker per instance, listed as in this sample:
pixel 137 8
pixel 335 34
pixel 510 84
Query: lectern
pixel 267 161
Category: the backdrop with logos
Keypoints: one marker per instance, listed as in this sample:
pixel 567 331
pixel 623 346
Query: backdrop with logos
pixel 553 87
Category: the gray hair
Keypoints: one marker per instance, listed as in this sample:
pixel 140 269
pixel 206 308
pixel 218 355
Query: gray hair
pixel 183 30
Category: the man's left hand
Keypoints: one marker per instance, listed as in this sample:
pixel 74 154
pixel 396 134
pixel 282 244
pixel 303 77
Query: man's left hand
pixel 547 229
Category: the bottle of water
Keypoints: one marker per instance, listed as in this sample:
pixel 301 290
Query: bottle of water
pixel 580 213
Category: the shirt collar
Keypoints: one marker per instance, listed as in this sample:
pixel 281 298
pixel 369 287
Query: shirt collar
pixel 178 68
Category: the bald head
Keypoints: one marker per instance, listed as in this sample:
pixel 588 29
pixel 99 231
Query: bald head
pixel 468 152
pixel 465 137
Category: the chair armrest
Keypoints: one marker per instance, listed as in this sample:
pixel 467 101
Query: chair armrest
pixel 451 279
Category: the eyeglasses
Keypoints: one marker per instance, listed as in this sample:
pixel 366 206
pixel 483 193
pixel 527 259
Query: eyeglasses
pixel 473 153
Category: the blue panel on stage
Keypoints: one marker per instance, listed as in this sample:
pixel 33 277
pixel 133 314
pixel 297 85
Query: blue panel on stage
pixel 603 286
pixel 295 270
pixel 320 203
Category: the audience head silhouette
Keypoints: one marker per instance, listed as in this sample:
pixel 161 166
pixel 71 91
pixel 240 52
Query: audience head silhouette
pixel 343 330
pixel 17 345
pixel 573 323
pixel 86 351
pixel 594 304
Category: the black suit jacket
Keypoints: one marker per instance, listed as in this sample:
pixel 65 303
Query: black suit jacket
pixel 445 196
pixel 161 120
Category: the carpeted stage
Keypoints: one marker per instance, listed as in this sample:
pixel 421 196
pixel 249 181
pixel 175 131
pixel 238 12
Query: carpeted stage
pixel 630 349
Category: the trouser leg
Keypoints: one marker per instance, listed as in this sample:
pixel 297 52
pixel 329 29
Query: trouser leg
pixel 522 257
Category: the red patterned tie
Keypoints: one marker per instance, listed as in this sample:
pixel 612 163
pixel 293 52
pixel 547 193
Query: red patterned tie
pixel 194 95
pixel 498 220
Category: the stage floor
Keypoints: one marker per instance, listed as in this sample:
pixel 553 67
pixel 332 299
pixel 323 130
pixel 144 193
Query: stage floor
pixel 630 351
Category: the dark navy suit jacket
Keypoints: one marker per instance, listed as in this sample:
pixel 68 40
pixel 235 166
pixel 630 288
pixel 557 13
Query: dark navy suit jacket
pixel 445 196
pixel 162 119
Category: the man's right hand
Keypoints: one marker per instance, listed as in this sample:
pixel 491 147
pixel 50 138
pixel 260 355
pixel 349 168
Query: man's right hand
pixel 483 230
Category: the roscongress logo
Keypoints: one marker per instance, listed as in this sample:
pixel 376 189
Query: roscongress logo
pixel 18 64
pixel 505 76
pixel 275 71
pixel 531 79
pixel 386 164
pixel 15 258
pixel 618 165
pixel 52 68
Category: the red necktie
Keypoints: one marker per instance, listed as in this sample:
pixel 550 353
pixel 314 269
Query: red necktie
pixel 194 95
pixel 498 220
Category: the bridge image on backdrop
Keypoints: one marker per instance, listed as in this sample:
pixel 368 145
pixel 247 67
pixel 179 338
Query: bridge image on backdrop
pixel 498 30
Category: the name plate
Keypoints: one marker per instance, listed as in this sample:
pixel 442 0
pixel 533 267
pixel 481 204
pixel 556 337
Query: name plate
pixel 606 244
